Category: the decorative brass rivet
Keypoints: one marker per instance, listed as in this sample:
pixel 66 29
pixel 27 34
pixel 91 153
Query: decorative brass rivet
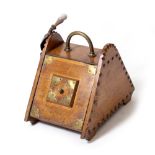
pixel 48 60
pixel 99 124
pixel 116 107
pixel 108 115
pixel 95 103
pixel 98 83
pixel 119 105
pixel 92 110
pixel 34 111
pixel 103 58
pixel 92 69
pixel 89 132
pixel 94 128
pixel 78 124
pixel 112 111
pixel 108 62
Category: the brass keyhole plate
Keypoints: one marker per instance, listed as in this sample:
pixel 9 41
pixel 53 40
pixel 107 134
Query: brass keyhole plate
pixel 62 90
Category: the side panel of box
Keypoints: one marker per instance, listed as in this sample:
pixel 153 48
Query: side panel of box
pixel 114 89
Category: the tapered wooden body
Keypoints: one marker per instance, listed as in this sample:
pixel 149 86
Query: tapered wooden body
pixel 75 91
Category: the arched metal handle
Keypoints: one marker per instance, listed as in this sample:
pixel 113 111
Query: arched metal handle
pixel 67 48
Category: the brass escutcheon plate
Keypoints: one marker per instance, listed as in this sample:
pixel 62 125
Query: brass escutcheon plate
pixel 62 90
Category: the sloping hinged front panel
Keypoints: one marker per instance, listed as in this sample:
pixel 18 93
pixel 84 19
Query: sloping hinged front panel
pixel 63 92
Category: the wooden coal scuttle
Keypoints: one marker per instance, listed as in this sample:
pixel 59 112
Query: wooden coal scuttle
pixel 77 87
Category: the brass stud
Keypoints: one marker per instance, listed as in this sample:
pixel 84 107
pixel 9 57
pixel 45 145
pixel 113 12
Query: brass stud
pixel 100 74
pixel 89 132
pixel 92 69
pixel 103 58
pixel 89 120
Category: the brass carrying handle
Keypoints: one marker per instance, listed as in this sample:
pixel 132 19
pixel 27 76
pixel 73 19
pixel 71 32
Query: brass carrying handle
pixel 68 49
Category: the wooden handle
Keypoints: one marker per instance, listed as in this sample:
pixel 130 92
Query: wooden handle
pixel 60 19
pixel 53 27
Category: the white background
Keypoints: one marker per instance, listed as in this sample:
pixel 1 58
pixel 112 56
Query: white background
pixel 130 25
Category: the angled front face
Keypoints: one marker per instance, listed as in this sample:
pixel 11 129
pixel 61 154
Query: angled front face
pixel 63 92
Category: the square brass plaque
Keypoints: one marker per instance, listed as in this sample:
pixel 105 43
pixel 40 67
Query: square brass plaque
pixel 62 90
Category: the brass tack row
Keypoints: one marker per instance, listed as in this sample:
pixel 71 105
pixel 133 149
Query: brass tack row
pixel 109 46
pixel 123 102
pixel 95 101
pixel 108 61
pixel 115 108
pixel 126 73
pixel 108 115
pixel 120 103
pixel 112 58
